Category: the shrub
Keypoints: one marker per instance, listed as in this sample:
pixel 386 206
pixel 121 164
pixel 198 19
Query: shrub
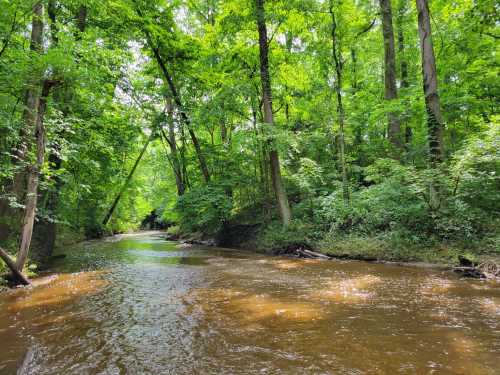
pixel 277 238
pixel 424 203
pixel 204 209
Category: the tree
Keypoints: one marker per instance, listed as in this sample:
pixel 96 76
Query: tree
pixel 429 76
pixel 403 63
pixel 279 189
pixel 338 66
pixel 172 142
pixel 33 134
pixel 391 91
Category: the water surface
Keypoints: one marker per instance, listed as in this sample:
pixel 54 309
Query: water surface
pixel 142 305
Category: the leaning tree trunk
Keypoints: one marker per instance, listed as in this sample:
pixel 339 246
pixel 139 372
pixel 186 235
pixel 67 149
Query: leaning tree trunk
pixel 391 91
pixel 337 59
pixel 19 277
pixel 279 189
pixel 127 181
pixel 178 102
pixel 432 103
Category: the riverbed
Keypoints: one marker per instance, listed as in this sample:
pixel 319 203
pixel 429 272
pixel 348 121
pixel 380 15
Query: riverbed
pixel 142 305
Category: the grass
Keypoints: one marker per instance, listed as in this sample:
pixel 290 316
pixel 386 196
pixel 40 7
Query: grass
pixel 391 247
pixel 397 246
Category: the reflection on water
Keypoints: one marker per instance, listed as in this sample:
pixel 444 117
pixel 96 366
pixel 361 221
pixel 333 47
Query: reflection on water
pixel 141 305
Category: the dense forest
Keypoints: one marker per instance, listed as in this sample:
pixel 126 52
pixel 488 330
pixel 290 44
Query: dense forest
pixel 361 128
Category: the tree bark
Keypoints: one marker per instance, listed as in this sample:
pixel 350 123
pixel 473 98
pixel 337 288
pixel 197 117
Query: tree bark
pixel 33 179
pixel 31 102
pixel 337 59
pixel 10 263
pixel 432 102
pixel 55 162
pixel 403 62
pixel 279 189
pixel 81 20
pixel 179 181
pixel 391 91
pixel 401 43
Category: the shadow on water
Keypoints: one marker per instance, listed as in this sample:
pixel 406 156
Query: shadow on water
pixel 142 305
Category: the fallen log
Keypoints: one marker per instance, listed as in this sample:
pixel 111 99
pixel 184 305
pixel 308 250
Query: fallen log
pixel 311 254
pixel 10 263
pixel 315 254
pixel 472 272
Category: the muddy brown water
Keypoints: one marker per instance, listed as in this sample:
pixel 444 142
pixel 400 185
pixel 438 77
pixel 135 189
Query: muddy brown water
pixel 142 305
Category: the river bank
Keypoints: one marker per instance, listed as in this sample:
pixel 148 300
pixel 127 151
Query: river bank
pixel 450 258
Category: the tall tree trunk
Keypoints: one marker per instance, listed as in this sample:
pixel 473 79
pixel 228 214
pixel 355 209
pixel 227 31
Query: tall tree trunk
pixel 403 5
pixel 182 155
pixel 391 91
pixel 279 189
pixel 176 165
pixel 403 63
pixel 31 102
pixel 432 102
pixel 33 179
pixel 337 59
pixel 49 227
pixel 81 20
pixel 31 130
pixel 224 133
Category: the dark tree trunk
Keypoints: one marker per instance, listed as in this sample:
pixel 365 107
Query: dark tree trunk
pixel 432 102
pixel 176 165
pixel 403 63
pixel 337 59
pixel 81 19
pixel 279 189
pixel 51 11
pixel 177 100
pixel 401 44
pixel 391 91
pixel 18 276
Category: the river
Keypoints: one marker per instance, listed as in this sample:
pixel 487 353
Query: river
pixel 143 305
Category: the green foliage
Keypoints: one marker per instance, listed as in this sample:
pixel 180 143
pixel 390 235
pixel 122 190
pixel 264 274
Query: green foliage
pixel 112 95
pixel 400 200
pixel 174 230
pixel 476 169
pixel 277 239
pixel 204 209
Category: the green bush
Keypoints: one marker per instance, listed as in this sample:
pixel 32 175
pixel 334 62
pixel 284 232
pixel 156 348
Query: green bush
pixel 476 171
pixel 389 203
pixel 174 230
pixel 204 209
pixel 276 238
pixel 425 204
